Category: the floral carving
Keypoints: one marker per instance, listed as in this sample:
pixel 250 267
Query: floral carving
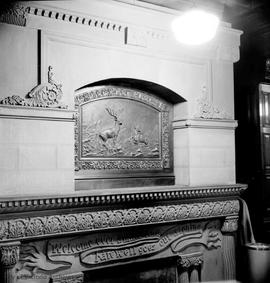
pixel 206 109
pixel 9 254
pixel 46 95
pixel 188 261
pixel 68 278
pixel 91 221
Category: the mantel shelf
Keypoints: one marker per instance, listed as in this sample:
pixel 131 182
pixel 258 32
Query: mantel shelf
pixel 36 113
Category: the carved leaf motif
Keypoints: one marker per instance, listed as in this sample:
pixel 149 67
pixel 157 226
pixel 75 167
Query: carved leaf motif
pixel 44 95
pixel 35 227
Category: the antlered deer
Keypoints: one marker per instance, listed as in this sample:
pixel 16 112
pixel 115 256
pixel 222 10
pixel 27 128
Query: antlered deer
pixel 111 133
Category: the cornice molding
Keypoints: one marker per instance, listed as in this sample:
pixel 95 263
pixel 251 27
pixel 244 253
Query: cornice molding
pixel 36 113
pixel 117 196
pixel 205 124
pixel 73 223
pixel 156 38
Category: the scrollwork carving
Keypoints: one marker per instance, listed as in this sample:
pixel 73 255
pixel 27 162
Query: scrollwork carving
pixel 47 95
pixel 206 109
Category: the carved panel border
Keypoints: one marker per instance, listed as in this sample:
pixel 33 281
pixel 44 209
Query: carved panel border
pixel 33 226
pixel 101 164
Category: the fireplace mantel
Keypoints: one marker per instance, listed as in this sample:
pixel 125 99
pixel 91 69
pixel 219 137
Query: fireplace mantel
pixel 61 227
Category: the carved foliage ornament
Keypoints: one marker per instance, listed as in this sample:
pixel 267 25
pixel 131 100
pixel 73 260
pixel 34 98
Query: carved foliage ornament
pixel 206 109
pixel 46 95
pixel 118 128
pixel 94 221
pixel 9 255
pixel 192 260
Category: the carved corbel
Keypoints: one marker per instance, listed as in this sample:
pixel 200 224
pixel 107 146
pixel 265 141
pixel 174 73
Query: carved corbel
pixel 230 224
pixel 189 267
pixel 68 278
pixel 9 256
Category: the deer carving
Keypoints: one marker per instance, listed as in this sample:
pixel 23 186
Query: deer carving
pixel 111 133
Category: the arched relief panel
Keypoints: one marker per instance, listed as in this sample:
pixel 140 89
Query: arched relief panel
pixel 123 134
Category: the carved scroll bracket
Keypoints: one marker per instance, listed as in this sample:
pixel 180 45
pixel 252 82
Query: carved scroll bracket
pixel 46 95
pixel 9 256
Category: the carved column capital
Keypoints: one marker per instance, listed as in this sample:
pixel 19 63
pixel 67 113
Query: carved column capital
pixel 230 225
pixel 9 254
pixel 190 260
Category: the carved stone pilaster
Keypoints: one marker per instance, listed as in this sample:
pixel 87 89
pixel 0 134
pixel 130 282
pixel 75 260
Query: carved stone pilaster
pixel 14 14
pixel 228 229
pixel 68 278
pixel 9 256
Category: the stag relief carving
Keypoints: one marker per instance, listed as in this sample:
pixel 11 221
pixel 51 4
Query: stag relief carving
pixel 112 132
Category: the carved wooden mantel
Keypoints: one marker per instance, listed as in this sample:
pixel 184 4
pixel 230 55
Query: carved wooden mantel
pixel 62 238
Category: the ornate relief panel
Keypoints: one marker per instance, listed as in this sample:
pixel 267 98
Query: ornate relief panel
pixel 60 256
pixel 121 130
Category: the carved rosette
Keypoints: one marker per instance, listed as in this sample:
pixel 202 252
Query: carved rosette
pixel 90 221
pixel 98 164
pixel 230 225
pixel 9 254
pixel 47 95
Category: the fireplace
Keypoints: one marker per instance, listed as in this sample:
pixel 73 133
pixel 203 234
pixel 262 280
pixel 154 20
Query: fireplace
pixel 150 188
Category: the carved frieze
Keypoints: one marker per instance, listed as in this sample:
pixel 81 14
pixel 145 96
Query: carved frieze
pixel 29 227
pixel 121 129
pixel 46 95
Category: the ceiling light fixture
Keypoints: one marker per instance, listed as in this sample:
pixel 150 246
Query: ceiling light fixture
pixel 195 27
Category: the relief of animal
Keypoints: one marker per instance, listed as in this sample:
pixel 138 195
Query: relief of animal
pixel 139 137
pixel 113 132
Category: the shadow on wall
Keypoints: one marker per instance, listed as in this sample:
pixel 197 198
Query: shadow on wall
pixel 159 90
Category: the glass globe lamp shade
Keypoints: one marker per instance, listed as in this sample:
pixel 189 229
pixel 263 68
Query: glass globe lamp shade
pixel 195 27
